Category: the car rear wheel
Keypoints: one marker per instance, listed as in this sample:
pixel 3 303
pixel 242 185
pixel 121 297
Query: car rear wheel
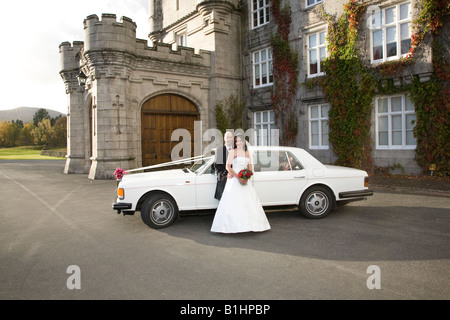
pixel 159 211
pixel 316 202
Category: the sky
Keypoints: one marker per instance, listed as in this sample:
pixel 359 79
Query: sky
pixel 30 35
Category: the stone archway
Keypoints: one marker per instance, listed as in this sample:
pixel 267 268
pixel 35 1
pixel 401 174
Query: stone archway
pixel 160 116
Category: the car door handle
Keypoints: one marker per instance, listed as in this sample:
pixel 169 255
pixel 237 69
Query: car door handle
pixel 300 177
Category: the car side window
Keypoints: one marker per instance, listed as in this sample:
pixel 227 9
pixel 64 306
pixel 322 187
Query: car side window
pixel 276 161
pixel 210 170
pixel 288 162
pixel 293 161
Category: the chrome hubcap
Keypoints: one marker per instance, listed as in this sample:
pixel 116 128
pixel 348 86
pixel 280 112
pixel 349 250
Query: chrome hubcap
pixel 161 212
pixel 317 203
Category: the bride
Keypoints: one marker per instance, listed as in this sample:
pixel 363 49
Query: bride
pixel 239 209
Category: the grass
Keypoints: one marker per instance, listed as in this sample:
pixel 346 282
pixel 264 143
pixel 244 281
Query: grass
pixel 24 153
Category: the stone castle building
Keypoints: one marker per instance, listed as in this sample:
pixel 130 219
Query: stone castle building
pixel 137 92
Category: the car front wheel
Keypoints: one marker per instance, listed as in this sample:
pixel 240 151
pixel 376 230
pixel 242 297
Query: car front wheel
pixel 159 211
pixel 316 202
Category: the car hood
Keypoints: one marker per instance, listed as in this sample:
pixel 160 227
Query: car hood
pixel 163 177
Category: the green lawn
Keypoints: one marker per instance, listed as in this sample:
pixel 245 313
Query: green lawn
pixel 24 153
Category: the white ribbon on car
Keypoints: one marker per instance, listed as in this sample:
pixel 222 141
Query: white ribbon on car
pixel 167 164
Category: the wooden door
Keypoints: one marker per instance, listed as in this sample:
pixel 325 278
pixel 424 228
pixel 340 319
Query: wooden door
pixel 160 116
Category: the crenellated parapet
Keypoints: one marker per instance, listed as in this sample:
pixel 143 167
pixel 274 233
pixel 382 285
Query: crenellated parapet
pixel 109 34
pixel 69 60
pixel 112 49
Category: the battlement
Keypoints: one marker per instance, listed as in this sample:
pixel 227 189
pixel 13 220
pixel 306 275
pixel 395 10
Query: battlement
pixel 68 54
pixel 119 39
pixel 109 34
pixel 163 52
pixel 109 19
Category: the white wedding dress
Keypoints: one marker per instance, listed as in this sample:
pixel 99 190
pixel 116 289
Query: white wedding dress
pixel 239 209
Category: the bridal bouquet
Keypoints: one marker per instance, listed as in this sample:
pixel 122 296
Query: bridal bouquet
pixel 244 175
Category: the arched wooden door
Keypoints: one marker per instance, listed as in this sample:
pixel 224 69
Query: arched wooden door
pixel 160 116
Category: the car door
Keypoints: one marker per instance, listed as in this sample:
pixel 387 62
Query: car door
pixel 278 178
pixel 205 185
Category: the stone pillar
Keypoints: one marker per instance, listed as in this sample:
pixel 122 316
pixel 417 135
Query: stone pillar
pixel 77 160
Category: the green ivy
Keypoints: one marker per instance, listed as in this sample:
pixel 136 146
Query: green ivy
pixel 285 74
pixel 432 128
pixel 230 114
pixel 349 87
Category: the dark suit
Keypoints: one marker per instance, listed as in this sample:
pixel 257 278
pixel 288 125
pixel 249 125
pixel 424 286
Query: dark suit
pixel 221 170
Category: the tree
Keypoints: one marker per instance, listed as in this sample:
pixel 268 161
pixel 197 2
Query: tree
pixel 43 132
pixel 40 115
pixel 59 132
pixel 9 133
pixel 26 134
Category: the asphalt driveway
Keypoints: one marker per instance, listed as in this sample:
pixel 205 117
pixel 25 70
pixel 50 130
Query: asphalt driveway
pixel 59 230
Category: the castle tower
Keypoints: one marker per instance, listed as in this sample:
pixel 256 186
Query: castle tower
pixel 77 156
pixel 155 20
pixel 213 25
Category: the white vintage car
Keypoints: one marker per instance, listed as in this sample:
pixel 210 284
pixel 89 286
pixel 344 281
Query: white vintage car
pixel 283 176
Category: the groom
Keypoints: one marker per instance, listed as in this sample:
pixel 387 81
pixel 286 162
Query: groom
pixel 220 164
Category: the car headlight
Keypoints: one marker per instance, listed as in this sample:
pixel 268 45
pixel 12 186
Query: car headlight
pixel 120 193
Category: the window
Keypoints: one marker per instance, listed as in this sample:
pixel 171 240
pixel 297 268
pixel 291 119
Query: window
pixel 310 3
pixel 317 52
pixel 260 12
pixel 182 39
pixel 262 68
pixel 318 126
pixel 395 116
pixel 265 128
pixel 390 32
pixel 276 161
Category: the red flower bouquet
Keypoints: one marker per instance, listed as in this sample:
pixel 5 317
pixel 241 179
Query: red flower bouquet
pixel 244 175
pixel 119 173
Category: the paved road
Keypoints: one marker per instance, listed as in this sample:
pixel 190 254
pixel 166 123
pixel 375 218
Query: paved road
pixel 59 231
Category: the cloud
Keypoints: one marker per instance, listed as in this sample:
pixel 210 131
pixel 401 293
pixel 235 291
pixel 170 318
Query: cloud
pixel 31 34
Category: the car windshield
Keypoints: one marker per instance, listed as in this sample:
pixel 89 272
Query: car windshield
pixel 200 165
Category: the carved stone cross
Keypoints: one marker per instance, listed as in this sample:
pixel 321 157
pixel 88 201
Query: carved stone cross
pixel 118 105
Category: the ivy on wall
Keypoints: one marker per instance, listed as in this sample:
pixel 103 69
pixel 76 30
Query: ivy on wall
pixel 349 86
pixel 432 98
pixel 285 74
pixel 230 114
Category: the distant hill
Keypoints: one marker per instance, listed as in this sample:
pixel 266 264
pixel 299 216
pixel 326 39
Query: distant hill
pixel 25 114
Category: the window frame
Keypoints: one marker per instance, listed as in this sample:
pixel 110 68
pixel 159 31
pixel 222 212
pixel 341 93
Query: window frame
pixel 317 48
pixel 260 137
pixel 320 120
pixel 315 2
pixel 384 26
pixel 260 67
pixel 182 39
pixel 389 114
pixel 266 11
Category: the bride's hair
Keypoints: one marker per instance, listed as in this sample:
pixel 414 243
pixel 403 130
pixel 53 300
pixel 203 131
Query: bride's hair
pixel 241 137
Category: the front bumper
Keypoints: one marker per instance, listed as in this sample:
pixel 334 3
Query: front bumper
pixel 123 207
pixel 355 194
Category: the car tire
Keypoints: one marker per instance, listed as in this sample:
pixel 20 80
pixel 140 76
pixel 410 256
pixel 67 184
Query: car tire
pixel 316 202
pixel 159 211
